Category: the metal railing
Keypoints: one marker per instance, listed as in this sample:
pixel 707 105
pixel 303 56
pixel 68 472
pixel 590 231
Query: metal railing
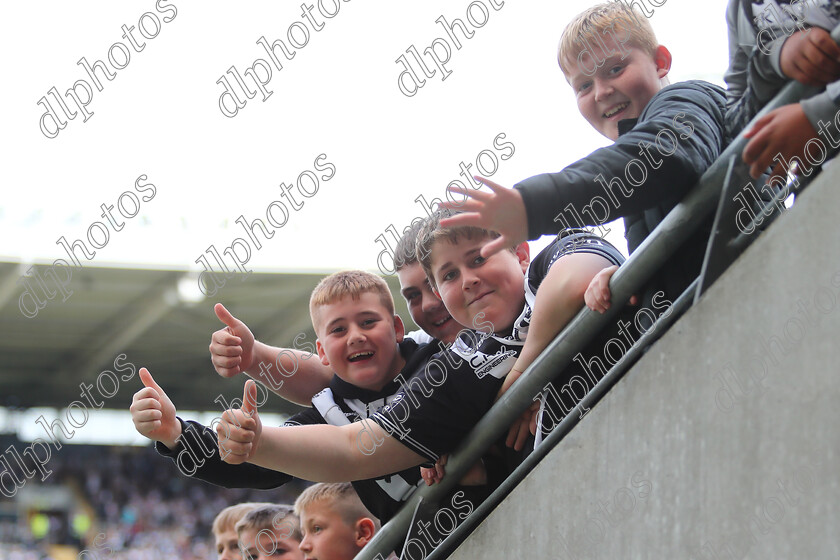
pixel 653 253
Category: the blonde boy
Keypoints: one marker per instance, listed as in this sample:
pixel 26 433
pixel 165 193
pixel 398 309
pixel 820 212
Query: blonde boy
pixel 335 523
pixel 451 391
pixel 665 137
pixel 361 339
pixel 224 529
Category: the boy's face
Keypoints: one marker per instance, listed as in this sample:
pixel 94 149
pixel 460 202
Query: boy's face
pixel 267 545
pixel 227 545
pixel 425 307
pixel 469 284
pixel 619 89
pixel 358 339
pixel 326 536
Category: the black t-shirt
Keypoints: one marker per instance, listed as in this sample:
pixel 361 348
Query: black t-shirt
pixel 382 496
pixel 443 401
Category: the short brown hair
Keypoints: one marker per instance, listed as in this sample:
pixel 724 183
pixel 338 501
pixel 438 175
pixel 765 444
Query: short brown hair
pixel 351 283
pixel 342 499
pixel 602 19
pixel 431 232
pixel 228 517
pixel 405 254
pixel 272 517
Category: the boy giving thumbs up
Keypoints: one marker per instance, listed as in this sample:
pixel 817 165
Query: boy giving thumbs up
pixel 366 350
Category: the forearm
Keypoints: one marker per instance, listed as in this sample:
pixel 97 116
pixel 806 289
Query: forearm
pixel 196 454
pixel 754 75
pixel 558 300
pixel 293 374
pixel 760 82
pixel 823 107
pixel 692 116
pixel 171 441
pixel 324 453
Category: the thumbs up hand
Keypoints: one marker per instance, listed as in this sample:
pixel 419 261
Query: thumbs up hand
pixel 231 348
pixel 153 413
pixel 240 429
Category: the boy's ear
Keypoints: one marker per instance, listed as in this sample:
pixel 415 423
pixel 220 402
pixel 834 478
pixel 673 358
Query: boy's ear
pixel 523 253
pixel 321 353
pixel 662 58
pixel 399 328
pixel 365 528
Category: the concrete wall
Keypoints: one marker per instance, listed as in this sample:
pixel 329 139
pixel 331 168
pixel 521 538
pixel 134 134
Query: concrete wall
pixel 679 460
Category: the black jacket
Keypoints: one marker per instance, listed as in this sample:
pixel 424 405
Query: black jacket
pixel 647 180
pixel 376 494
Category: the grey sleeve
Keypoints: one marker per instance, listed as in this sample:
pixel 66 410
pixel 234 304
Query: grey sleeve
pixel 823 106
pixel 754 76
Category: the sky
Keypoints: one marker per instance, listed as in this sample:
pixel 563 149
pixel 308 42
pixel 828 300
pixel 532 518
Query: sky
pixel 158 147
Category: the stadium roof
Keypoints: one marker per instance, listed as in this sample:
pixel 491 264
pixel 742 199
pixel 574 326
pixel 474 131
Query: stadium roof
pixel 157 318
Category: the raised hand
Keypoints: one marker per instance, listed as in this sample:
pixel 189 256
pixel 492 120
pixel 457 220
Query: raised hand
pixel 436 473
pixel 598 296
pixel 476 476
pixel 781 132
pixel 153 413
pixel 811 57
pixel 231 348
pixel 240 429
pixel 525 424
pixel 503 211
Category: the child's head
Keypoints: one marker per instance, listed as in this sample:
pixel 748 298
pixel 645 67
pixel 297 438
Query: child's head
pixel 270 532
pixel 425 307
pixel 475 290
pixel 336 525
pixel 610 57
pixel 353 316
pixel 224 529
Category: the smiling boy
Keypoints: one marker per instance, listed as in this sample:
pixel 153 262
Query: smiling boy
pixel 455 388
pixel 362 340
pixel 233 349
pixel 665 137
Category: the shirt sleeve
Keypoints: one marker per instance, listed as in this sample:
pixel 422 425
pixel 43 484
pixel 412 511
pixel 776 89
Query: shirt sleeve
pixel 419 336
pixel 197 456
pixel 823 107
pixel 565 244
pixel 754 75
pixel 686 120
pixel 442 402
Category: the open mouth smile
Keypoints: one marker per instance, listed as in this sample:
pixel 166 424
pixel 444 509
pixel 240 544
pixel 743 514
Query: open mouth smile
pixel 360 356
pixel 615 110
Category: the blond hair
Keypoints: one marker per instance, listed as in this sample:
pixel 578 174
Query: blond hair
pixel 600 20
pixel 342 499
pixel 278 518
pixel 351 283
pixel 228 517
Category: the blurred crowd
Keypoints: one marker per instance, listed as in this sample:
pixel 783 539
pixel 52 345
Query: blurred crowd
pixel 128 504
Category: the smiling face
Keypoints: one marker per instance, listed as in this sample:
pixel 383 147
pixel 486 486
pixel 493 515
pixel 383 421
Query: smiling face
pixel 267 545
pixel 326 536
pixel 358 339
pixel 426 308
pixel 469 284
pixel 620 88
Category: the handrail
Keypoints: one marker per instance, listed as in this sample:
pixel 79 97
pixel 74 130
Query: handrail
pixel 566 425
pixel 674 229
